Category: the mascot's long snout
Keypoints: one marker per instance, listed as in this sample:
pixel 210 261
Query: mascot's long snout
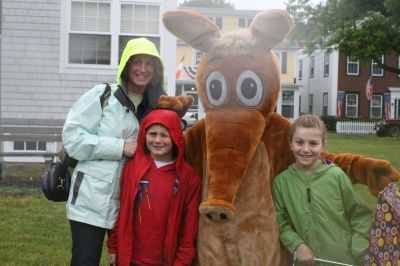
pixel 232 138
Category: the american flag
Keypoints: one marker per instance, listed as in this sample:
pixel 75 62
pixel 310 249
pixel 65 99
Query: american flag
pixel 339 104
pixel 179 68
pixel 369 89
pixel 386 100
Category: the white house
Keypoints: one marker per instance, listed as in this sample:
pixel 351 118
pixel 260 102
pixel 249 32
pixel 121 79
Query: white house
pixel 52 51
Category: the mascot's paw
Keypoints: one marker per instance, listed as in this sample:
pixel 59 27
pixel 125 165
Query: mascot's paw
pixel 179 104
pixel 378 173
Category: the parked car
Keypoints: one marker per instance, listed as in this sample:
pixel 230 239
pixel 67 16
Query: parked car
pixel 389 128
pixel 189 119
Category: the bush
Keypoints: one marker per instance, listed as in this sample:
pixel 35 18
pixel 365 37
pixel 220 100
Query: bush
pixel 330 122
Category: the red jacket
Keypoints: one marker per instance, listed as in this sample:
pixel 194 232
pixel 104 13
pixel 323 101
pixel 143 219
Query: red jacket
pixel 182 224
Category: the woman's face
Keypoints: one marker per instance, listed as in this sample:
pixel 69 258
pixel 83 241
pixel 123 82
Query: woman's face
pixel 141 71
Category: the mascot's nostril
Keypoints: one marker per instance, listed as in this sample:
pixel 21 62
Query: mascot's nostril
pixel 223 216
pixel 209 216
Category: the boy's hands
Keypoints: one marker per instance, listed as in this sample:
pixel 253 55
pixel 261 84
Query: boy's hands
pixel 113 259
pixel 305 255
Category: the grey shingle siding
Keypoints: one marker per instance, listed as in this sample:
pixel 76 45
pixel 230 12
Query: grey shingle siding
pixel 31 83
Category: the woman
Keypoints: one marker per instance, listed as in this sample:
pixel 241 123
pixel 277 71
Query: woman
pixel 102 139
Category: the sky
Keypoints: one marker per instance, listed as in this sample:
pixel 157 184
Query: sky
pixel 258 4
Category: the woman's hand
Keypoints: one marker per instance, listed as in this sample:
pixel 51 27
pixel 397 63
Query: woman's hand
pixel 129 148
pixel 304 254
pixel 113 259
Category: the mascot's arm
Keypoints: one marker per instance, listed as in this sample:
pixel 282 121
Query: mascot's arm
pixel 374 173
pixel 277 143
pixel 179 104
pixel 195 146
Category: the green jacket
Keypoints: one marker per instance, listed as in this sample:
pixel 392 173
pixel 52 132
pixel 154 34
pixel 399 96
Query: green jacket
pixel 324 212
pixel 96 137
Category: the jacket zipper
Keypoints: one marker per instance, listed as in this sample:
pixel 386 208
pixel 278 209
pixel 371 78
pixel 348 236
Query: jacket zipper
pixel 308 195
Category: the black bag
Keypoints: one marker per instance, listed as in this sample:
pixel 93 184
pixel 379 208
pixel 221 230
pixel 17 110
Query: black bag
pixel 56 180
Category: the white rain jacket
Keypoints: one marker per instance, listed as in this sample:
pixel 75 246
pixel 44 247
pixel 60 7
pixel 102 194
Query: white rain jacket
pixel 96 136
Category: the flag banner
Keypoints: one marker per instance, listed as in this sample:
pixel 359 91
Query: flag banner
pixel 387 104
pixel 339 104
pixel 179 68
pixel 190 71
pixel 369 89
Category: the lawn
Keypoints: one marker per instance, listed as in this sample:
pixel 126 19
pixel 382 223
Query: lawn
pixel 370 146
pixel 35 231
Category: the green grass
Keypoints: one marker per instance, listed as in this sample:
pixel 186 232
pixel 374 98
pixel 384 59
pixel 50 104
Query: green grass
pixel 34 231
pixel 370 146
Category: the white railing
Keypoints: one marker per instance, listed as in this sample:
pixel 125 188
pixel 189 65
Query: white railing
pixel 355 128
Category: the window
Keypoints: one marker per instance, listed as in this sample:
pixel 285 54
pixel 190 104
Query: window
pixel 29 146
pixel 375 69
pixel 312 65
pixel 325 103
pixel 300 69
pixel 195 105
pixel 299 103
pixel 396 108
pixel 94 34
pixel 352 66
pixel 282 57
pixel 376 106
pixel 288 103
pixel 284 63
pixel 218 21
pixel 89 36
pixel 398 64
pixel 352 105
pixel 244 22
pixel 310 103
pixel 197 57
pixel 326 64
pixel 139 20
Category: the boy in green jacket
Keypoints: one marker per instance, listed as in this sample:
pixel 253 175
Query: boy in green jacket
pixel 319 213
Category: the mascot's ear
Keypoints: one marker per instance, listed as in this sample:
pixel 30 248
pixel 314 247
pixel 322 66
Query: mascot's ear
pixel 270 27
pixel 193 28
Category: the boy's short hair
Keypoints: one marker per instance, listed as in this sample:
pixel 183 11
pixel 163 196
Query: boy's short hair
pixel 308 121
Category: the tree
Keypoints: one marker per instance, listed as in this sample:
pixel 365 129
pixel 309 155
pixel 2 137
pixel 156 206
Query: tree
pixel 364 29
pixel 208 3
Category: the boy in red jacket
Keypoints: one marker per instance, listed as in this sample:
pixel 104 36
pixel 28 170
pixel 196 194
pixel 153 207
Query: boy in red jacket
pixel 160 193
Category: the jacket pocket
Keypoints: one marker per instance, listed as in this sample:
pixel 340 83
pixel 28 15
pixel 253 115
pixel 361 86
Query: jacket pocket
pixel 77 185
pixel 100 169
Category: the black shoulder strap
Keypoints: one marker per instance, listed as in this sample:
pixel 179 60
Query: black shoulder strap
pixel 106 94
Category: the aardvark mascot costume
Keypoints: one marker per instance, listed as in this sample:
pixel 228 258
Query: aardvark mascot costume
pixel 242 144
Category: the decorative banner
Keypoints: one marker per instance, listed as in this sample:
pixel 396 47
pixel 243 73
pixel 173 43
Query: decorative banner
pixel 190 71
pixel 339 105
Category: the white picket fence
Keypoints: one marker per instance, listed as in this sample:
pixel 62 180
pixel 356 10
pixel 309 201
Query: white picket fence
pixel 355 128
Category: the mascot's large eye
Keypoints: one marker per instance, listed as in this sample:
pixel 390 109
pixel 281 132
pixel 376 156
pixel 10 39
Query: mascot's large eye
pixel 249 88
pixel 216 88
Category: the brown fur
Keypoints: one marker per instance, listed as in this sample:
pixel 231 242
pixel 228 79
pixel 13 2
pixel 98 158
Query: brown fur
pixel 239 149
